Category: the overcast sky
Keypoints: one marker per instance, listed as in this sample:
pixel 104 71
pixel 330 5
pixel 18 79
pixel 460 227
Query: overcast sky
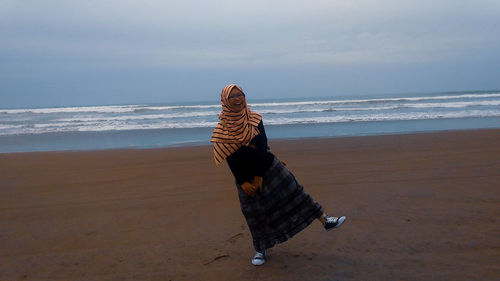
pixel 59 53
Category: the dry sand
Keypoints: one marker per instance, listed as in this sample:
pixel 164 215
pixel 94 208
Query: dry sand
pixel 419 207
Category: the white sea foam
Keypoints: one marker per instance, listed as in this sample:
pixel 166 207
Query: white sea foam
pixel 453 104
pixel 104 109
pixel 324 109
pixel 145 108
pixel 140 117
pixel 8 127
pixel 445 97
pixel 167 107
pixel 303 107
pixel 137 117
pixel 96 109
pixel 383 117
pixel 118 125
pixel 210 113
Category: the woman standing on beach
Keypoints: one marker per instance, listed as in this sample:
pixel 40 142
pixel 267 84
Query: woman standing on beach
pixel 274 204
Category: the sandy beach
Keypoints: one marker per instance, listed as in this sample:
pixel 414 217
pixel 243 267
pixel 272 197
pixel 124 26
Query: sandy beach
pixel 419 206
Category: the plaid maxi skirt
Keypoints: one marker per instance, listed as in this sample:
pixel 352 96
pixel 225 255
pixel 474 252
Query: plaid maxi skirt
pixel 280 211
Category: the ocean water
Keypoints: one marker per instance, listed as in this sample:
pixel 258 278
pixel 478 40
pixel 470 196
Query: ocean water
pixel 162 125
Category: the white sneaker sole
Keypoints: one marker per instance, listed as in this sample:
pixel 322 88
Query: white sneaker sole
pixel 258 262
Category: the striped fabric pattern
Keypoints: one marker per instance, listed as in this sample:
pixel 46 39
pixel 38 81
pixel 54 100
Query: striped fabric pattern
pixel 235 128
pixel 280 211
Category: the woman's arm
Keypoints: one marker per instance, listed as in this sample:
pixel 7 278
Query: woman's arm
pixel 242 164
pixel 249 163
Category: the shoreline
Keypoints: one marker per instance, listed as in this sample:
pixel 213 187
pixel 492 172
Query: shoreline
pixel 286 139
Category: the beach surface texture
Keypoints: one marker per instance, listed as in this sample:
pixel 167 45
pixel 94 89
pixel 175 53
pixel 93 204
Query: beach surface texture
pixel 419 207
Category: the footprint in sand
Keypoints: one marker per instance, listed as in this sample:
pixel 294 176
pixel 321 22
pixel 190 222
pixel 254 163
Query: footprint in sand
pixel 221 257
pixel 235 237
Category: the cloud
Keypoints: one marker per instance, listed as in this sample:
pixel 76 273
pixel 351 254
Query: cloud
pixel 236 34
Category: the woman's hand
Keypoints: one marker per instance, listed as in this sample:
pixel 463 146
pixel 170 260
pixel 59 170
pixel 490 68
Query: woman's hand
pixel 257 182
pixel 248 188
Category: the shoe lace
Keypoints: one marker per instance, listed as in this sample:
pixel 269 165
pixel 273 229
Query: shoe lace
pixel 331 219
pixel 258 255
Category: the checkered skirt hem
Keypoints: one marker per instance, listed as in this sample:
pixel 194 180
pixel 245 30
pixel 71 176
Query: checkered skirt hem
pixel 280 211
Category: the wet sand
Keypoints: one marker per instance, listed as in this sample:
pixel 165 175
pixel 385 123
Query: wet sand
pixel 419 207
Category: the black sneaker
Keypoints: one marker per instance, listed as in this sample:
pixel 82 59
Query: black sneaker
pixel 333 222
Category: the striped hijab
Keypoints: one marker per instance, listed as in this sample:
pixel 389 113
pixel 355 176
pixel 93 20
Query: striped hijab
pixel 234 128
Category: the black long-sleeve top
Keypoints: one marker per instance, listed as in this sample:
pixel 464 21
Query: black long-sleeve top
pixel 252 160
